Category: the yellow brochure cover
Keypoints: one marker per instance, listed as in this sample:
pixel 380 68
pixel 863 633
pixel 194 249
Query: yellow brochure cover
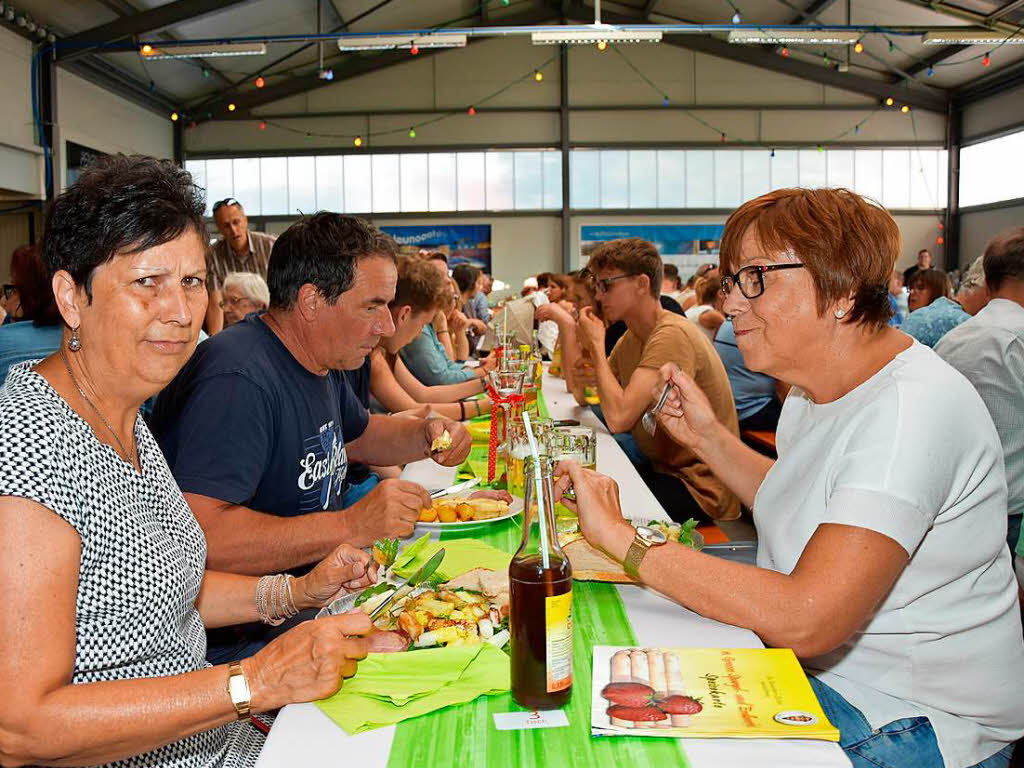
pixel 705 692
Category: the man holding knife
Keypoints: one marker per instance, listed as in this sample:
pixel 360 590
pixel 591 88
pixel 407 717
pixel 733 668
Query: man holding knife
pixel 259 426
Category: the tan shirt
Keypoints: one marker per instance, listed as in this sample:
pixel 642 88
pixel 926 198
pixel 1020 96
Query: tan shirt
pixel 677 340
pixel 222 260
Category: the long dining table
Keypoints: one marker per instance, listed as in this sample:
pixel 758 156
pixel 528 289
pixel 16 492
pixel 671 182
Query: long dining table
pixel 303 736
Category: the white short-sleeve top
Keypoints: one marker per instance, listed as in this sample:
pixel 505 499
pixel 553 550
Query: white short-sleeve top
pixel 912 454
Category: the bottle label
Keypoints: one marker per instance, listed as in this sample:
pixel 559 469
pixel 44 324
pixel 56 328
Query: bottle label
pixel 558 621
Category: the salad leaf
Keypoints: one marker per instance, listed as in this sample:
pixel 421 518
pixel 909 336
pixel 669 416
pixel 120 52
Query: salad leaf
pixel 385 551
pixel 376 589
pixel 686 532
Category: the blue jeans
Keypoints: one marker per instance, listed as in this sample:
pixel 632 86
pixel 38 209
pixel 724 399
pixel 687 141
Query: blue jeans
pixel 906 743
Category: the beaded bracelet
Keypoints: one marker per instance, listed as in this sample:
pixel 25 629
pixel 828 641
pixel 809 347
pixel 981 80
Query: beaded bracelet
pixel 275 601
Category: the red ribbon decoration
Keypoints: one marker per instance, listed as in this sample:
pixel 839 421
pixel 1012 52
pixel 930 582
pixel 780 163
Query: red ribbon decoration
pixel 515 401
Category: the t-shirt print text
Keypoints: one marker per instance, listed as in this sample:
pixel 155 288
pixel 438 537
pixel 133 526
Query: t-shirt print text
pixel 323 468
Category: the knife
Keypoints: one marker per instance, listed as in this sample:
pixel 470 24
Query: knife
pixel 458 487
pixel 424 573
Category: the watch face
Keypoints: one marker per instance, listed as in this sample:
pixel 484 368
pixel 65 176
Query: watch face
pixel 651 535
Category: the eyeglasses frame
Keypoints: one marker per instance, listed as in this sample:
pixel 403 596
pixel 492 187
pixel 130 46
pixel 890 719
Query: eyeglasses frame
pixel 759 270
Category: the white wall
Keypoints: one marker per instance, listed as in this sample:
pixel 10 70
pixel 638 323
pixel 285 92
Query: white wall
pixel 99 119
pixel 978 227
pixel 21 167
pixel 995 113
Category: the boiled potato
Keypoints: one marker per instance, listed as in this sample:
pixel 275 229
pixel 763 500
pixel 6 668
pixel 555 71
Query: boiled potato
pixel 428 515
pixel 446 513
pixel 465 511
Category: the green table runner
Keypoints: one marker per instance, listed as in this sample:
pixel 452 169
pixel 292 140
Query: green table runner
pixel 465 735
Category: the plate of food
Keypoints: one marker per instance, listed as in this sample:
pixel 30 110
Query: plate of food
pixel 460 512
pixel 471 608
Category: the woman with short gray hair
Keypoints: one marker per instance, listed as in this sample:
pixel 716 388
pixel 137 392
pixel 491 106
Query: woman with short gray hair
pixel 243 292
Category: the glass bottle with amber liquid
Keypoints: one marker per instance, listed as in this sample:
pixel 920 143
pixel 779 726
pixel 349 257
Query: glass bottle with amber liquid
pixel 540 617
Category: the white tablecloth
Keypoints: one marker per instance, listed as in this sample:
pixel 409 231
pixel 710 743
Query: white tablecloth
pixel 304 736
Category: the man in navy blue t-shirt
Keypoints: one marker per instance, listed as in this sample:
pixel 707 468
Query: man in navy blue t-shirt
pixel 259 426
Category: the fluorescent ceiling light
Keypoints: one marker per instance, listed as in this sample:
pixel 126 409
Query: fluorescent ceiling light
pixel 209 50
pixel 557 36
pixel 391 42
pixel 971 36
pixel 794 36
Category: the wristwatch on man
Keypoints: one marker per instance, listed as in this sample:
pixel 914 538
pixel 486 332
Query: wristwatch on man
pixel 238 690
pixel 643 541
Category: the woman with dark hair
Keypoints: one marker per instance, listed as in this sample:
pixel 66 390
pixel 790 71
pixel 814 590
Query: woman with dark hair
pixel 106 597
pixel 933 313
pixel 882 561
pixel 39 334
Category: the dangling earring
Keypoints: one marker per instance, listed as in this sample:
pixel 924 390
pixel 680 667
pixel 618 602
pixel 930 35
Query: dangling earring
pixel 75 342
pixel 840 314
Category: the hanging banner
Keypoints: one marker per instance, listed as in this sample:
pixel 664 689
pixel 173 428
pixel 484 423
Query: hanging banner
pixel 461 243
pixel 685 245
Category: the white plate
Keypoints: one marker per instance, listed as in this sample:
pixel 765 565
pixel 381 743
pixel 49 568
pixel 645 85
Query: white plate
pixel 513 509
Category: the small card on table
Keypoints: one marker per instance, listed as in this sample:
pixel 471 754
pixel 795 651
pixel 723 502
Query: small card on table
pixel 516 721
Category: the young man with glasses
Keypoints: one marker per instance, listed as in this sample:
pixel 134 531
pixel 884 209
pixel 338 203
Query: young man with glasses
pixel 627 281
pixel 238 250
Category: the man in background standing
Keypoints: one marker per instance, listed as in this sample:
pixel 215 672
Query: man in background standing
pixel 924 261
pixel 238 250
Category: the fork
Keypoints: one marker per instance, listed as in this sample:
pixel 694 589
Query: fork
pixel 649 422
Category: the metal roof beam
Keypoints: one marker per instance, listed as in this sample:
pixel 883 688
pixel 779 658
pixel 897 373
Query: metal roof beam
pixel 138 24
pixel 756 56
pixel 350 66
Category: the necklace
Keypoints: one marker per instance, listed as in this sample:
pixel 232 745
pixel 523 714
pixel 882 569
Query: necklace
pixel 130 457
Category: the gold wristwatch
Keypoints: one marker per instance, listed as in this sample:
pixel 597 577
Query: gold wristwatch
pixel 643 541
pixel 238 690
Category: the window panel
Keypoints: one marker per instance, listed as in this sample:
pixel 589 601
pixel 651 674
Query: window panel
pixel 246 174
pixel 219 180
pixel 442 181
pixel 585 178
pixel 671 178
pixel 552 180
pixel 386 183
pixel 992 170
pixel 358 184
pixel 330 183
pixel 529 181
pixel 500 181
pixel 643 178
pixel 812 169
pixel 301 185
pixel 700 178
pixel 942 159
pixel 415 182
pixel 197 168
pixel 784 169
pixel 924 182
pixel 896 178
pixel 471 177
pixel 840 168
pixel 274 181
pixel 867 165
pixel 728 178
pixel 757 175
pixel 614 178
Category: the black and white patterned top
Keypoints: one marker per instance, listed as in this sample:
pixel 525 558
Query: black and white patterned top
pixel 142 555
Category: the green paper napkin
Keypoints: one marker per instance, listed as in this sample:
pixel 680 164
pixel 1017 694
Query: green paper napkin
pixel 391 687
pixel 461 555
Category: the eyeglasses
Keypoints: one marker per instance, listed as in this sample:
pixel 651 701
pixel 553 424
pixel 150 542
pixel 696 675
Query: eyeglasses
pixel 228 302
pixel 604 284
pixel 751 279
pixel 9 290
pixel 226 201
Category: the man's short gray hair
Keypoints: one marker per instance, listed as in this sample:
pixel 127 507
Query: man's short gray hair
pixel 974 277
pixel 252 286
